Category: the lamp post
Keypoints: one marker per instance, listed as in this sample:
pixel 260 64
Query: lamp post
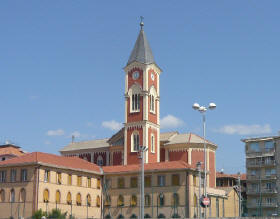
pixel 142 150
pixel 198 165
pixel 202 110
pixel 239 193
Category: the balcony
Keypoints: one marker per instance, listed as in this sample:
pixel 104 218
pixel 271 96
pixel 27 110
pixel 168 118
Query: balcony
pixel 261 153
pixel 262 191
pixel 262 205
pixel 262 178
pixel 261 164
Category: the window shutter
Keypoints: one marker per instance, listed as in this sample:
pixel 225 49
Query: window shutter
pixel 98 201
pixel 46 195
pixel 78 199
pixel 69 198
pixel 57 198
pixel 98 183
pixel 88 200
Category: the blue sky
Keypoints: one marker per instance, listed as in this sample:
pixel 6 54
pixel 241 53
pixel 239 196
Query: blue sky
pixel 61 69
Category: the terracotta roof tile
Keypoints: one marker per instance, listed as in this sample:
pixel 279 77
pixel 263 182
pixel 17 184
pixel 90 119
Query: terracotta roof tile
pixel 52 159
pixel 11 151
pixel 235 176
pixel 150 166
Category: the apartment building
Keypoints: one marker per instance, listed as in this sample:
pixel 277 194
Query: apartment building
pixel 45 181
pixel 262 155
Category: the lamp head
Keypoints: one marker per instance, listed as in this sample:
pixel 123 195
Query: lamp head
pixel 195 106
pixel 212 106
pixel 202 109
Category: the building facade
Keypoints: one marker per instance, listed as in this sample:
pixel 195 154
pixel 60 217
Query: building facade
pixel 262 155
pixel 45 181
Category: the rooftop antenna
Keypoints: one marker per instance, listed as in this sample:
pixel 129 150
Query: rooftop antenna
pixel 141 22
pixel 73 138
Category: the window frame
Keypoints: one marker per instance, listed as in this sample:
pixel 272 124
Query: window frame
pixel 135 137
pixel 153 148
pixel 13 177
pixel 161 183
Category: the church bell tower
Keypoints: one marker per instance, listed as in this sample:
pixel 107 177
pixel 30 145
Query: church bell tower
pixel 142 125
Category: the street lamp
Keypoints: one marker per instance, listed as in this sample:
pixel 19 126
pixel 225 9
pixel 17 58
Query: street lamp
pixel 198 166
pixel 202 110
pixel 142 150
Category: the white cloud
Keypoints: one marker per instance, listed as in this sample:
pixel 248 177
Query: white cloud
pixel 170 121
pixel 245 129
pixel 47 142
pixel 58 132
pixel 113 125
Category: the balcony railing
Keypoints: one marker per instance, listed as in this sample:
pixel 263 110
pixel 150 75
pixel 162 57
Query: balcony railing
pixel 263 191
pixel 261 164
pixel 263 152
pixel 262 178
pixel 262 205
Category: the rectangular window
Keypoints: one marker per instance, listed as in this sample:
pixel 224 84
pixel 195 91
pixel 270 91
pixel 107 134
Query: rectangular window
pixel 135 102
pixel 136 142
pixel 133 182
pixel 107 183
pixel 98 183
pixel 47 176
pixel 253 172
pixel 254 146
pixel 148 181
pixel 89 182
pixel 13 175
pixel 79 181
pixel 58 178
pixel 120 183
pixel 69 179
pixel 175 180
pixel 161 180
pixel 152 143
pixel 23 175
pixel 269 145
pixel 2 176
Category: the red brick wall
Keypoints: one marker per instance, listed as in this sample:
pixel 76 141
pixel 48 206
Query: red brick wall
pixel 152 157
pixel 134 117
pixel 132 157
pixel 131 81
pixel 197 156
pixel 117 158
pixel 178 155
pixel 212 169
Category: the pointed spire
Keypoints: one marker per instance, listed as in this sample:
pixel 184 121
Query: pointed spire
pixel 141 52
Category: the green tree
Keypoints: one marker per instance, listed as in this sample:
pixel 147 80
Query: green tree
pixel 39 214
pixel 57 214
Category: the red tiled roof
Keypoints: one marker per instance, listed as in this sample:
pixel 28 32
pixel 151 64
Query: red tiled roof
pixel 11 151
pixel 171 165
pixel 235 176
pixel 52 159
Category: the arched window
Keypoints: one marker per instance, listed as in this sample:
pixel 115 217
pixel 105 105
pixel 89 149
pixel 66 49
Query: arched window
pixel 46 195
pixel 98 201
pixel 88 200
pixel 152 143
pixel 12 195
pixel 175 200
pixel 161 200
pixel 120 216
pixel 135 102
pixel 22 195
pixel 120 201
pixel 147 200
pixel 100 160
pixel 135 140
pixel 2 195
pixel 69 198
pixel 133 201
pixel 152 103
pixel 195 200
pixel 133 216
pixel 107 200
pixel 79 199
pixel 57 197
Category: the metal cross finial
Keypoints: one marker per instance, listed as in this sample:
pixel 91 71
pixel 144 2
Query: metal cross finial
pixel 141 22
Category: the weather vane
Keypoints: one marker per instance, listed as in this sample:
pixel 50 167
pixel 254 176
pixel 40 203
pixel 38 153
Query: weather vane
pixel 141 22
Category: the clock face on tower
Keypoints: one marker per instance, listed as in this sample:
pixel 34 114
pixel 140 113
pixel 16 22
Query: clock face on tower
pixel 152 76
pixel 135 75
